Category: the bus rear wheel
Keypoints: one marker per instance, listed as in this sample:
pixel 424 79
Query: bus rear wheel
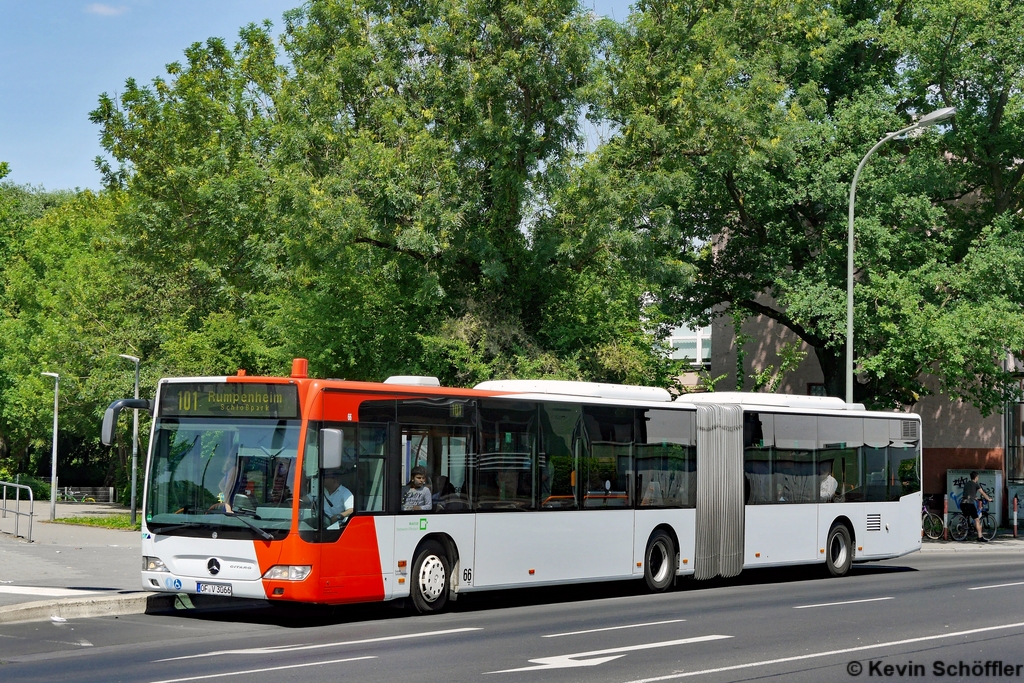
pixel 660 562
pixel 838 551
pixel 430 575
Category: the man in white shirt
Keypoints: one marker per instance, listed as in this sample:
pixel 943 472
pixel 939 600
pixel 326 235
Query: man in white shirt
pixel 339 502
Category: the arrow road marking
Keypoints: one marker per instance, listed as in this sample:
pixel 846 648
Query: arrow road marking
pixel 574 660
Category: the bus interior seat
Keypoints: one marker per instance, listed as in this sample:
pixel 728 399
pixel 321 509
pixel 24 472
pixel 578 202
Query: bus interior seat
pixel 652 496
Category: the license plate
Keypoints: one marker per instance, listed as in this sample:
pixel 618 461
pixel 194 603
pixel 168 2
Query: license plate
pixel 214 588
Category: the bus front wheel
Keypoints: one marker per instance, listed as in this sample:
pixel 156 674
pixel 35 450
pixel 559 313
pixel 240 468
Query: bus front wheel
pixel 660 562
pixel 838 551
pixel 430 574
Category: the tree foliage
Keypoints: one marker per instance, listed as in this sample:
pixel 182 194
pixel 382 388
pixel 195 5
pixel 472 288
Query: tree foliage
pixel 402 188
pixel 738 128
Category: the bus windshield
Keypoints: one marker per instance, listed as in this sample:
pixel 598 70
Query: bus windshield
pixel 229 477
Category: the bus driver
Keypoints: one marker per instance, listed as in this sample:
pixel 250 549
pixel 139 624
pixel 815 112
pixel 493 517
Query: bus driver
pixel 339 502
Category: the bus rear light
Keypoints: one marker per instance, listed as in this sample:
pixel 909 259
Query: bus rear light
pixel 288 572
pixel 153 564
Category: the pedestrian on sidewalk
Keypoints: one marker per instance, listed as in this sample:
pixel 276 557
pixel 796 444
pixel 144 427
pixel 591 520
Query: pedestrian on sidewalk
pixel 969 503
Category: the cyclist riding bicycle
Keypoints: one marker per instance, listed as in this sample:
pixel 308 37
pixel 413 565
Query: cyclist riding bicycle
pixel 969 503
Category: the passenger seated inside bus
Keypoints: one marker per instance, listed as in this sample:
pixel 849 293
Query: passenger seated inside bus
pixel 447 497
pixel 416 495
pixel 827 490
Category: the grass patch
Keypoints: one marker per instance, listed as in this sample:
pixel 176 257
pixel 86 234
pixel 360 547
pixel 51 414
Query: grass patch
pixel 105 521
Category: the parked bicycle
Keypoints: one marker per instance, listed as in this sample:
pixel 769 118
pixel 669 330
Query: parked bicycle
pixel 931 524
pixel 960 527
pixel 66 495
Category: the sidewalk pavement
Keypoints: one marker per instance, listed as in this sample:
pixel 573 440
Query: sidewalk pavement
pixel 68 570
pixel 71 571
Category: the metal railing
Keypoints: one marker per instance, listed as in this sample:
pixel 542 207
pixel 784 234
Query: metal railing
pixel 16 510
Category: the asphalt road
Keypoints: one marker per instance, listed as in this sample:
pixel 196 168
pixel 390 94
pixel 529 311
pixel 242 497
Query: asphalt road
pixel 926 613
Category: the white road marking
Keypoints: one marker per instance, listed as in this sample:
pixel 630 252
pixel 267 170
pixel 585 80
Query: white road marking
pixel 829 653
pixel 45 592
pixel 273 650
pixel 569 661
pixel 613 628
pixel 80 643
pixel 845 602
pixel 998 585
pixel 259 671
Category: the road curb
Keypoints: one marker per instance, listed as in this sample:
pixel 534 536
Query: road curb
pixel 91 606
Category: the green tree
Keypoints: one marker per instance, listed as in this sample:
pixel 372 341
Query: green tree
pixel 737 130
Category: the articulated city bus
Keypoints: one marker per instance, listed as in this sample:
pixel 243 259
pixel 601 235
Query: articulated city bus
pixel 328 491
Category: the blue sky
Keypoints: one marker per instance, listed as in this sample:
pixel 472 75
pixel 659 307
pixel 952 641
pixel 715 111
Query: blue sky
pixel 57 56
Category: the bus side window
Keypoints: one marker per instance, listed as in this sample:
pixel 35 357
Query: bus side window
pixel 607 469
pixel 874 459
pixel 795 477
pixel 504 471
pixel 758 440
pixel 558 460
pixel 904 478
pixel 309 488
pixel 371 467
pixel 666 474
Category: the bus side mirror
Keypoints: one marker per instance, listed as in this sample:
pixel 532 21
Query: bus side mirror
pixel 114 409
pixel 330 451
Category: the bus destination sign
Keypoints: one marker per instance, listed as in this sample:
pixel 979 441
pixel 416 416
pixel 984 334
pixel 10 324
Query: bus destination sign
pixel 241 399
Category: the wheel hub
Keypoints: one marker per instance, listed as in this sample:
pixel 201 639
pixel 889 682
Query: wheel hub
pixel 659 562
pixel 838 551
pixel 432 578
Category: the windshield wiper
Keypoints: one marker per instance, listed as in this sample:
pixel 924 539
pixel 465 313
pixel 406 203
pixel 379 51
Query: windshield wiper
pixel 174 527
pixel 252 526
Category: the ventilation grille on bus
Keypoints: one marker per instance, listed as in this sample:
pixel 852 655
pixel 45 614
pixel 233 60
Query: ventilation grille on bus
pixel 874 522
pixel 909 429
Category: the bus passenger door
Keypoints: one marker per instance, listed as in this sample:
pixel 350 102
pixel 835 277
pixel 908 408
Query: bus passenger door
pixel 357 551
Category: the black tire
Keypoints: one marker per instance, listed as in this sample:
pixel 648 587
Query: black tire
pixel 660 562
pixel 431 572
pixel 838 550
pixel 988 527
pixel 932 525
pixel 959 527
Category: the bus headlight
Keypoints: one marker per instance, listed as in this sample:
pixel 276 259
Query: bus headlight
pixel 153 564
pixel 288 572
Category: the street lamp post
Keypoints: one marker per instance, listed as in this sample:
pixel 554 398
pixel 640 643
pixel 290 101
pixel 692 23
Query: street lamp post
pixel 135 434
pixel 53 459
pixel 930 119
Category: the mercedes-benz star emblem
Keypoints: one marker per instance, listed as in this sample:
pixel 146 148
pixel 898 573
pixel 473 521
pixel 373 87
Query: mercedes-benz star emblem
pixel 213 566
